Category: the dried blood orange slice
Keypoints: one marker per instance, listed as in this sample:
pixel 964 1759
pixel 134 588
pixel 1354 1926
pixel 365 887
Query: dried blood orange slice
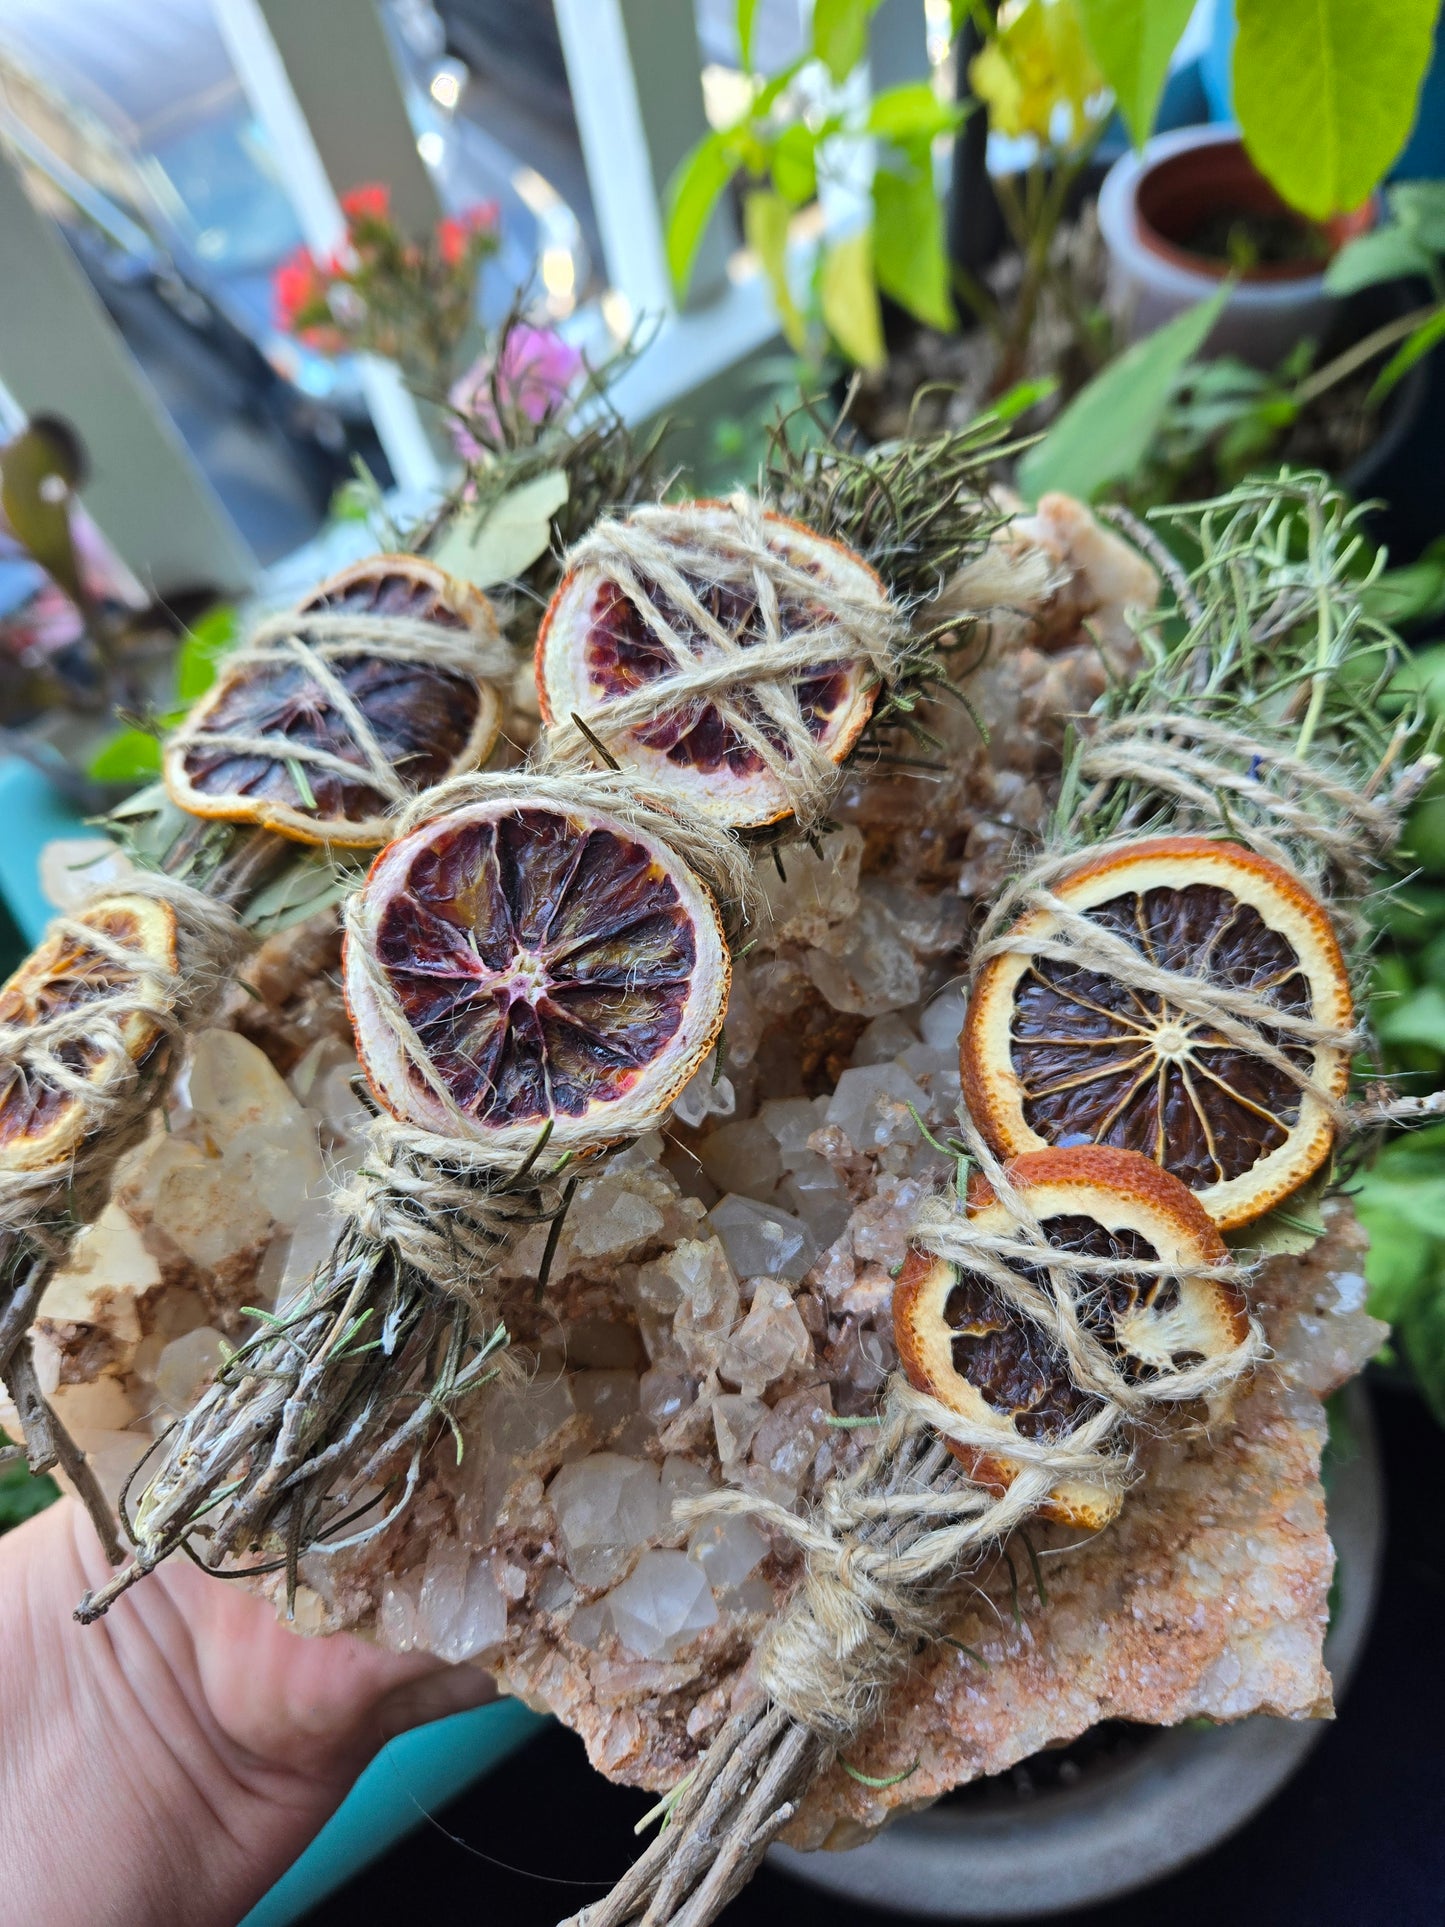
pixel 599 644
pixel 983 1359
pixel 282 738
pixel 41 1121
pixel 1055 1053
pixel 550 963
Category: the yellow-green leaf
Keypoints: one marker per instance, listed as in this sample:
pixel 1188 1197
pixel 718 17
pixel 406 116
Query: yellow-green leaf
pixel 1326 92
pixel 909 255
pixel 912 112
pixel 840 34
pixel 765 228
pixel 130 756
pixel 1132 40
pixel 506 538
pixel 849 297
pixel 793 164
pixel 692 194
pixel 747 9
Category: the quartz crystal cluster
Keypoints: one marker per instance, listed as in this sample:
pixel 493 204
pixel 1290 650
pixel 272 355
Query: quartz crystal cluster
pixel 718 1313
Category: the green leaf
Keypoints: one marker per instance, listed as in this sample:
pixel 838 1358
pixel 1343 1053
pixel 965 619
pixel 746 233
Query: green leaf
pixel 693 192
pixel 793 164
pixel 765 229
pixel 1417 590
pixel 1414 348
pixel 1290 1229
pixel 909 253
pixel 1023 396
pixel 912 113
pixel 1419 206
pixel 130 756
pixel 1419 1019
pixel 840 34
pixel 312 881
pixel 1105 431
pixel 1422 1333
pixel 849 297
pixel 747 9
pixel 1326 91
pixel 23 1493
pixel 1132 40
pixel 198 660
pixel 1386 255
pixel 1399 1260
pixel 496 543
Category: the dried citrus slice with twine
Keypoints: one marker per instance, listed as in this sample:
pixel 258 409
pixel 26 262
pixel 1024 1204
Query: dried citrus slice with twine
pixel 95 988
pixel 720 649
pixel 1066 1042
pixel 373 689
pixel 961 1341
pixel 519 964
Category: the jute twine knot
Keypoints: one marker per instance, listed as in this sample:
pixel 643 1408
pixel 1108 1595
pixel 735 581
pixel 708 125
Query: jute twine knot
pixel 883 1544
pixel 442 1207
pixel 82 1051
pixel 316 642
pixel 664 561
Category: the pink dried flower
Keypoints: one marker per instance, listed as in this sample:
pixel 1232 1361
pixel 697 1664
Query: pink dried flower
pixel 531 378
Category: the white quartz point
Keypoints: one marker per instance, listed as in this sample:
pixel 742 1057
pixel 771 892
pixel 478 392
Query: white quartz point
pixel 664 1603
pixel 606 1506
pixel 761 1240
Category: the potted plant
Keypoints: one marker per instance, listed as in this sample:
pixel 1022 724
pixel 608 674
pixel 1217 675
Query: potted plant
pixel 1192 212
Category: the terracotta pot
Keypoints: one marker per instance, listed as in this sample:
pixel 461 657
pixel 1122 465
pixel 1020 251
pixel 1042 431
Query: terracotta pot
pixel 1150 207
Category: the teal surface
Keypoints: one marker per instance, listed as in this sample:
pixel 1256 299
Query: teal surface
pixel 31 813
pixel 415 1774
pixel 407 1780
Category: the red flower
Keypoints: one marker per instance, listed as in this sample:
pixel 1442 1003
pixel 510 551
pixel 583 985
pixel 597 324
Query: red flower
pixel 297 286
pixel 453 240
pixel 370 202
pixel 455 232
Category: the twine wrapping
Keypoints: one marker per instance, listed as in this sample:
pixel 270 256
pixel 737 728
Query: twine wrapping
pixel 658 557
pixel 1242 1018
pixel 316 640
pixel 710 851
pixel 446 1208
pixel 114 1094
pixel 1304 815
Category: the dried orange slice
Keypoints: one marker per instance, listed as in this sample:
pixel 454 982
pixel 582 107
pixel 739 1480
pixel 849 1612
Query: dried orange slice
pixel 596 646
pixel 41 1122
pixel 1053 1053
pixel 958 1341
pixel 271 744
pixel 551 963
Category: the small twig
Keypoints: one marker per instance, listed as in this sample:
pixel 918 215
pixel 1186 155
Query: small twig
pixel 49 1444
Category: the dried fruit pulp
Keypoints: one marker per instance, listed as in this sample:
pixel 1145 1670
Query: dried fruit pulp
pixel 595 646
pixel 1055 1053
pixel 958 1340
pixel 429 720
pixel 551 964
pixel 39 1123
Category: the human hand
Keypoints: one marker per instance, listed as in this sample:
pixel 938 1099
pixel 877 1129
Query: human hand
pixel 167 1764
